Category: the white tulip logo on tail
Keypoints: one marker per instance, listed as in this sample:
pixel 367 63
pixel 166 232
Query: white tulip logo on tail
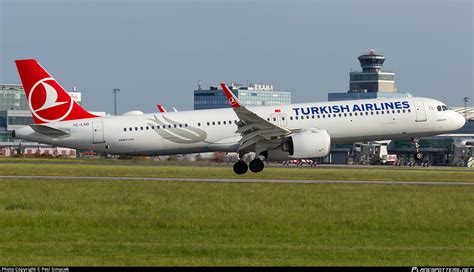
pixel 46 104
pixel 51 98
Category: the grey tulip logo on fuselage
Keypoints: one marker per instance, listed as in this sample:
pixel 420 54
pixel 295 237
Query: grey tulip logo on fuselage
pixel 177 132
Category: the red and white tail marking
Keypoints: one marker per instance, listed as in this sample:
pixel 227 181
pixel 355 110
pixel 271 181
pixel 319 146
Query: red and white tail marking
pixel 160 108
pixel 47 99
pixel 234 102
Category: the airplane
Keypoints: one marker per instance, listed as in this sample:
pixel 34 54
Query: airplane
pixel 274 133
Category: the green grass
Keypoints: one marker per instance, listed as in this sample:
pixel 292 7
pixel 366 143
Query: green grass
pixel 163 170
pixel 181 223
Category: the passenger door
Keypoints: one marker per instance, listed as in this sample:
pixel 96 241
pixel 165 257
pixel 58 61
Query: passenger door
pixel 420 111
pixel 97 133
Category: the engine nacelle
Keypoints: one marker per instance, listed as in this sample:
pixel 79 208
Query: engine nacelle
pixel 309 143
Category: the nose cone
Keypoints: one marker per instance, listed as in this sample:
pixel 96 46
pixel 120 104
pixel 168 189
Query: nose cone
pixel 458 121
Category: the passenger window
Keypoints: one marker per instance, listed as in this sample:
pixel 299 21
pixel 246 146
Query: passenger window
pixel 283 118
pixel 147 128
pixel 130 129
pixel 136 128
pixel 208 123
pixel 350 114
pixel 169 126
pixel 366 113
pixel 355 113
pixel 268 119
pixel 219 122
pixel 398 111
pixel 125 129
pixel 213 123
pixel 224 122
pixel 141 128
pixel 152 127
pixel 180 125
pixel 319 116
pixel 157 127
pixel 409 110
pixel 199 124
pixel 291 117
pixel 312 116
pixel 324 116
pixel 345 114
pixel 296 117
pixel 186 125
pixel 403 111
pixel 175 125
pixel 340 114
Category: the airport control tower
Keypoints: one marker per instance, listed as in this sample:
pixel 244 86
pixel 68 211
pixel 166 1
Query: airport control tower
pixel 372 78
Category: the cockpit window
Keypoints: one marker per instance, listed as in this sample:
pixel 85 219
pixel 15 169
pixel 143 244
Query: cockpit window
pixel 444 108
pixel 439 108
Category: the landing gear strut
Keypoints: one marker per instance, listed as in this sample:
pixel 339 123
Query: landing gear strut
pixel 256 165
pixel 240 167
pixel 418 155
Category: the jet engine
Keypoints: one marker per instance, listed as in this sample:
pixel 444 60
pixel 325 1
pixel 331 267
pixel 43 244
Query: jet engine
pixel 308 143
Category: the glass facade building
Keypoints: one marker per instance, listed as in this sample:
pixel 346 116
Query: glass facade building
pixel 14 110
pixel 251 95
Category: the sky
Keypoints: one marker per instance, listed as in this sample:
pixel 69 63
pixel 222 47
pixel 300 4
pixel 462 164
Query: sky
pixel 158 51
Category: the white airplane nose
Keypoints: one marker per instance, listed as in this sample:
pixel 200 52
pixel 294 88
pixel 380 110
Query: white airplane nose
pixel 459 120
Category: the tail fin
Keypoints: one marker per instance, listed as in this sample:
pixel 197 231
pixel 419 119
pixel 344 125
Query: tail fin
pixel 48 101
pixel 160 108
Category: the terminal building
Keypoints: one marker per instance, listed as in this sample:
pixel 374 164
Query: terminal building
pixel 249 95
pixel 14 114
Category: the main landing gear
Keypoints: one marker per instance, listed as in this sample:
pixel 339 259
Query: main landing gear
pixel 255 166
pixel 240 167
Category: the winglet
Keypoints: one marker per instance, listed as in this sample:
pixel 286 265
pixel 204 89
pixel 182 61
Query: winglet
pixel 160 108
pixel 233 101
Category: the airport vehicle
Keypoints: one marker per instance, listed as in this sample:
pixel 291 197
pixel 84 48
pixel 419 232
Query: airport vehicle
pixel 274 133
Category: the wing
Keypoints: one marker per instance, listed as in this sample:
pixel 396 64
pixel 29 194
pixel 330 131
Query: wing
pixel 253 128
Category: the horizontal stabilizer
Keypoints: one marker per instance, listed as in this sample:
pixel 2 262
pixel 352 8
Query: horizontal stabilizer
pixel 48 130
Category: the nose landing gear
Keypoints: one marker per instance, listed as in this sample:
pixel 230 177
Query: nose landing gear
pixel 418 155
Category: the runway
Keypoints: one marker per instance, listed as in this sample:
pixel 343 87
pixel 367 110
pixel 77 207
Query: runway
pixel 228 180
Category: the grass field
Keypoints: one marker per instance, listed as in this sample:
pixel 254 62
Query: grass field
pixel 97 222
pixel 150 169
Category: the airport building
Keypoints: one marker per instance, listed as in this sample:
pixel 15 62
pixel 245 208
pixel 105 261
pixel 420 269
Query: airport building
pixel 455 149
pixel 15 113
pixel 370 82
pixel 248 95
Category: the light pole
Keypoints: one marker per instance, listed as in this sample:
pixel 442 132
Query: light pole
pixel 466 99
pixel 115 91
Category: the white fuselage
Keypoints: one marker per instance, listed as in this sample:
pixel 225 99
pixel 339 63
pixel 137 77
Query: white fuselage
pixel 215 130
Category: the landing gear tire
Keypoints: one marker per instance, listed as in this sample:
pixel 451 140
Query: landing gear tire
pixel 240 167
pixel 418 156
pixel 256 165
